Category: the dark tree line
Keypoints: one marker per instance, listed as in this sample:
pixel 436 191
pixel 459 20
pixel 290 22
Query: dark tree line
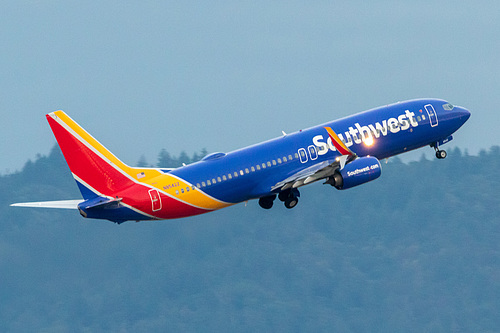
pixel 416 250
pixel 167 160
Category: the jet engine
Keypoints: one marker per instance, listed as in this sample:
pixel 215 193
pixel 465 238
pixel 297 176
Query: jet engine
pixel 357 172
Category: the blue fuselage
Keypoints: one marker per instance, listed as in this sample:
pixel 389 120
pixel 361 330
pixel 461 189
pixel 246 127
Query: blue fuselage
pixel 382 132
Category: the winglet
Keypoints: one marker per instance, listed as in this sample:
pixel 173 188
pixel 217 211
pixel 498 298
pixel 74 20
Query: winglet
pixel 339 145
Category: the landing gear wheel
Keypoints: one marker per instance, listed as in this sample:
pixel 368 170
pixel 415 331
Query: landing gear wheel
pixel 267 202
pixel 282 196
pixel 291 202
pixel 441 154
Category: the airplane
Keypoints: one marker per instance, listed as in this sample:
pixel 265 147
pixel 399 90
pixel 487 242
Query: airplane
pixel 344 153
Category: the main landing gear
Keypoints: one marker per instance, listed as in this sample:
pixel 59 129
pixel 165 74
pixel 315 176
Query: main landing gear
pixel 290 197
pixel 267 202
pixel 440 154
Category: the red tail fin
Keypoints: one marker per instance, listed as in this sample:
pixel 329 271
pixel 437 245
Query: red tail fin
pixel 96 170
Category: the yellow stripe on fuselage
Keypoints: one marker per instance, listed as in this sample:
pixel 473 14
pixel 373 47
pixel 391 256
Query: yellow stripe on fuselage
pixel 181 190
pixel 152 177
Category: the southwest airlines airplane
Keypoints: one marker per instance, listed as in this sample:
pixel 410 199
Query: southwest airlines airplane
pixel 344 153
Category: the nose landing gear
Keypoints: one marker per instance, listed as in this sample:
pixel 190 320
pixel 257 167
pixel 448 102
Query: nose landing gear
pixel 440 154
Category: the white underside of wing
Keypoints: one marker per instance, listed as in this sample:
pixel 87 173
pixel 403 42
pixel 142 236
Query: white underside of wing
pixel 308 175
pixel 65 204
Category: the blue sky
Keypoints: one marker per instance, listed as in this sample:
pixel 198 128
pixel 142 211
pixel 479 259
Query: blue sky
pixel 148 75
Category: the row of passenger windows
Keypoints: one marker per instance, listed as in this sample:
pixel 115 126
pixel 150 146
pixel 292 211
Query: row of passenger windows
pixel 239 173
pixel 268 164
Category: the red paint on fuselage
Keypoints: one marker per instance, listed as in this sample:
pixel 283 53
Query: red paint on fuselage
pixel 107 180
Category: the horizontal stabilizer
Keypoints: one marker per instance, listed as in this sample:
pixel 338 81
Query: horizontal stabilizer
pixel 100 202
pixel 65 204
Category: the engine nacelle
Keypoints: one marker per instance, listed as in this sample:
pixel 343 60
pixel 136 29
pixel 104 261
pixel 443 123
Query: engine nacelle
pixel 359 171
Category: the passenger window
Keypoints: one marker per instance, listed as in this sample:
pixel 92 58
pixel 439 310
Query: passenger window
pixel 284 159
pixel 241 172
pixel 279 160
pixel 209 183
pixel 235 174
pixel 290 157
pixel 229 176
pixel 198 185
pixel 252 169
pixel 269 164
pixel 187 189
pixel 218 179
pixel 247 171
pixel 258 166
pixel 263 165
pixel 296 155
pixel 177 192
pixel 224 177
pixel 274 162
pixel 203 184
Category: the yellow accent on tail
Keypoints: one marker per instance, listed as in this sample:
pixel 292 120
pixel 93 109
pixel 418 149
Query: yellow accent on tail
pixel 150 176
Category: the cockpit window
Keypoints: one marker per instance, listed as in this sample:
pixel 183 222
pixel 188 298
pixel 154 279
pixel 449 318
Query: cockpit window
pixel 448 106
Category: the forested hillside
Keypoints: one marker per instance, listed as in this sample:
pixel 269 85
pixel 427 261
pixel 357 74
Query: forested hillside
pixel 417 250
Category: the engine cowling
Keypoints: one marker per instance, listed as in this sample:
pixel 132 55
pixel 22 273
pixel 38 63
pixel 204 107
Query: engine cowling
pixel 361 170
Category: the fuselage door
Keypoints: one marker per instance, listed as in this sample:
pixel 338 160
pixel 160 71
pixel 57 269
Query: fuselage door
pixel 155 199
pixel 313 153
pixel 432 115
pixel 303 155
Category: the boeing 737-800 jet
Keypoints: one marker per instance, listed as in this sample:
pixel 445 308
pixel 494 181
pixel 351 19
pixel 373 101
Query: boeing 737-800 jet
pixel 344 153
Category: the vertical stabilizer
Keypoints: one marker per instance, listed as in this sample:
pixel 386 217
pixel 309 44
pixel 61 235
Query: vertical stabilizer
pixel 96 170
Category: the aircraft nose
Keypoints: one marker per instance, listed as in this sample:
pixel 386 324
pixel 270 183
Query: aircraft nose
pixel 462 113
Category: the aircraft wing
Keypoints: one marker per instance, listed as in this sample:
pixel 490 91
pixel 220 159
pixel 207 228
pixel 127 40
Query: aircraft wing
pixel 67 204
pixel 320 170
pixel 308 175
pixel 314 173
